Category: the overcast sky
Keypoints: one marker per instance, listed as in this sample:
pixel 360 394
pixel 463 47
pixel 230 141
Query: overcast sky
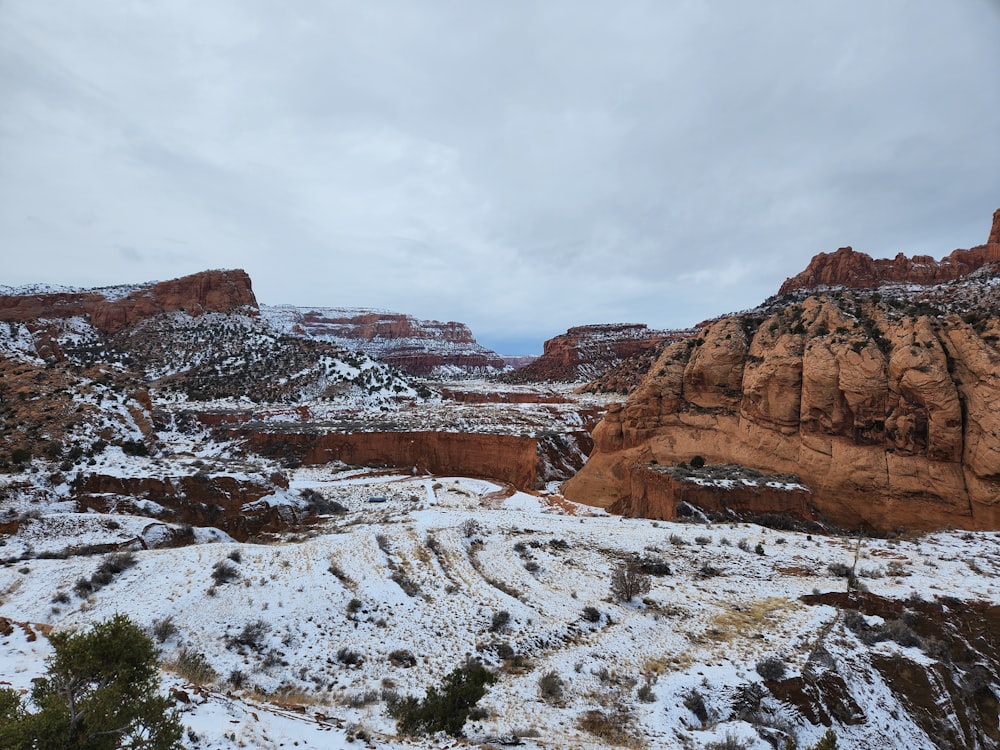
pixel 519 166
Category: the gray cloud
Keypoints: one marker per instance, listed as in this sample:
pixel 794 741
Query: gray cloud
pixel 520 166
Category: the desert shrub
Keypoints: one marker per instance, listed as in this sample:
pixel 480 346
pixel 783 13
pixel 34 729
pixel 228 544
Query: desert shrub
pixel 746 701
pixel 192 666
pixel 354 606
pixel 551 686
pixel 702 540
pixel 338 571
pixel 645 692
pixel 20 456
pixel 759 549
pixel 445 708
pixel 237 679
pixel 236 556
pixel 744 545
pixel 252 635
pixel 628 581
pixel 707 571
pixel 470 528
pixel 409 586
pixel 321 506
pixel 110 566
pixel 839 570
pixel 655 567
pixel 694 702
pixel 164 629
pixel 771 668
pixel 224 572
pixel 612 727
pixel 827 742
pixel 402 658
pixel 591 614
pixel 697 462
pixel 731 742
pixel 500 621
pixel 349 657
pixel 134 448
pixel 532 567
pixel 60 597
pixel 101 691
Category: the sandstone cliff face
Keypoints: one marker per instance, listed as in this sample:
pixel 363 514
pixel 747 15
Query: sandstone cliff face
pixel 854 270
pixel 587 352
pixel 507 458
pixel 208 291
pixel 223 502
pixel 890 419
pixel 419 347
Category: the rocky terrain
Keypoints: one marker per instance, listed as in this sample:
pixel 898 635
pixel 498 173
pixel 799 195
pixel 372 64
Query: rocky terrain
pixel 881 401
pixel 418 347
pixel 310 535
pixel 587 352
pixel 853 270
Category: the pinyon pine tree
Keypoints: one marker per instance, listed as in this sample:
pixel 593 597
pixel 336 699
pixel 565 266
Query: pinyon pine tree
pixel 100 693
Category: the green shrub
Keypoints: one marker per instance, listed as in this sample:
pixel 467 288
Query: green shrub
pixel 100 691
pixel 445 708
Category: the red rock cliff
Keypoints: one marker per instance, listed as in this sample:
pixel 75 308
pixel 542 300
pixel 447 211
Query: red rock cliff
pixel 887 415
pixel 420 347
pixel 854 270
pixel 507 458
pixel 587 352
pixel 208 291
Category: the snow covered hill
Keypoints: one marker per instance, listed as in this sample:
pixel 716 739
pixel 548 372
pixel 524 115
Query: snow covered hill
pixel 746 635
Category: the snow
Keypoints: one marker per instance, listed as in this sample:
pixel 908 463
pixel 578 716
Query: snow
pixel 692 633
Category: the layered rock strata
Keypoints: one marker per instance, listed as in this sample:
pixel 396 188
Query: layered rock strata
pixel 208 291
pixel 889 416
pixel 419 347
pixel 849 268
pixel 587 352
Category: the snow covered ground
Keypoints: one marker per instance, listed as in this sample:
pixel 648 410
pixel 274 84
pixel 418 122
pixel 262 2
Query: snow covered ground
pixel 308 636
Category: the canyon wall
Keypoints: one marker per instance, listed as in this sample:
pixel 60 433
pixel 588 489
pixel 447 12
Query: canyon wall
pixel 849 268
pixel 587 352
pixel 507 458
pixel 889 417
pixel 208 291
pixel 419 347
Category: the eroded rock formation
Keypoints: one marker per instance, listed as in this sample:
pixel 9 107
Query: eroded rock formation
pixel 419 347
pixel 587 352
pixel 208 291
pixel 848 268
pixel 508 458
pixel 887 415
pixel 222 502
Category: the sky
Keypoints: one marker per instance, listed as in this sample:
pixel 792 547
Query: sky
pixel 522 167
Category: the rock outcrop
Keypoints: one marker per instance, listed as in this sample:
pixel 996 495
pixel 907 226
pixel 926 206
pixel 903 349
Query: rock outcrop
pixel 208 291
pixel 224 502
pixel 587 352
pixel 853 270
pixel 507 458
pixel 887 415
pixel 419 347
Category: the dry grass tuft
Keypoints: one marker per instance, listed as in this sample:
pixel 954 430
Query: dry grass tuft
pixel 746 621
